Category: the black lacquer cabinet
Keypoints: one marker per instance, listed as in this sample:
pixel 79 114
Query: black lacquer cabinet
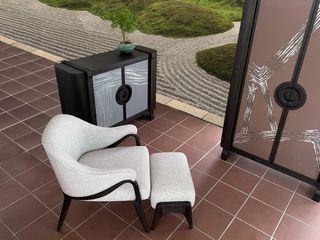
pixel 110 88
pixel 273 112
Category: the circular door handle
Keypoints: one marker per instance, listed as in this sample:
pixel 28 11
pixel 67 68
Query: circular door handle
pixel 290 96
pixel 123 94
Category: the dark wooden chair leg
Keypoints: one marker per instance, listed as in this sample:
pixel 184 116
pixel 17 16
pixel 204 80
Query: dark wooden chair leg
pixel 142 217
pixel 156 217
pixel 64 211
pixel 188 215
pixel 139 208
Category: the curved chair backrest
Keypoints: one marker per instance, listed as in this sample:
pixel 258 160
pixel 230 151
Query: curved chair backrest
pixel 66 134
pixel 65 139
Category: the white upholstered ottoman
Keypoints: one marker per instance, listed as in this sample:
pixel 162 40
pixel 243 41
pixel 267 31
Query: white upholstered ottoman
pixel 172 188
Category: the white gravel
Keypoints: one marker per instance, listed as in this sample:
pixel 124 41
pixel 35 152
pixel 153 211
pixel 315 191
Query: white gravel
pixel 71 34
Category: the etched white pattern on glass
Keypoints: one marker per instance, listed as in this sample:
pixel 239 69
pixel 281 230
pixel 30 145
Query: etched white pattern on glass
pixel 108 111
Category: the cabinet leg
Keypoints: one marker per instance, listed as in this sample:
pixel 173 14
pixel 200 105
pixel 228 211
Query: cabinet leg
pixel 150 116
pixel 225 154
pixel 316 196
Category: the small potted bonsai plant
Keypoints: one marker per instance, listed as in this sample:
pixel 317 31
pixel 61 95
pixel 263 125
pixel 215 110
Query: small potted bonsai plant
pixel 124 19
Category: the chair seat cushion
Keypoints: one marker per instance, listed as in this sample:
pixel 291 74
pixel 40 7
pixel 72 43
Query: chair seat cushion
pixel 136 158
pixel 171 179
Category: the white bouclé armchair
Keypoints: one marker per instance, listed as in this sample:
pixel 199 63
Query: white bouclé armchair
pixel 89 167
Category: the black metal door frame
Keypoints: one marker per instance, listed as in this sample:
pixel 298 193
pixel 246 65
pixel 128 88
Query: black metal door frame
pixel 243 53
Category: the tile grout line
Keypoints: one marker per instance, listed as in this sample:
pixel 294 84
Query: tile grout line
pixel 16 79
pixel 23 172
pixel 9 229
pixel 73 229
pixel 16 54
pixel 222 181
pixel 28 103
pixel 87 219
pixel 125 229
pixel 205 155
pixel 40 201
pixel 217 206
pixel 23 63
pixel 53 179
pixel 173 109
pixel 71 232
pixel 14 140
pixel 131 224
pixel 287 206
pixel 170 102
pixel 236 189
pixel 248 197
pixel 28 191
pixel 253 227
pixel 176 124
pixel 22 121
pixel 203 198
pixel 302 222
pixel 26 72
pixel 178 147
pixel 264 179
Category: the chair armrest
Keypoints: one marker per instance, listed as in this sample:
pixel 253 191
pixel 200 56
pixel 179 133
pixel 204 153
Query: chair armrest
pixel 135 136
pixel 89 181
pixel 101 137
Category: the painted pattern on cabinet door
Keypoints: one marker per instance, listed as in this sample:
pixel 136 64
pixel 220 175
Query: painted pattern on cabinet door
pixel 137 78
pixel 105 85
pixel 277 41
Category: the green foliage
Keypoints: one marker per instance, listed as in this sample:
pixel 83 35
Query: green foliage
pixel 218 61
pixel 223 12
pixel 179 19
pixel 123 18
pixel 230 9
pixel 138 5
pixel 70 4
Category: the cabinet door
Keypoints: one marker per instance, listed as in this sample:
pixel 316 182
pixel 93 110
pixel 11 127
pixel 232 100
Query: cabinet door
pixel 277 39
pixel 299 149
pixel 136 76
pixel 105 85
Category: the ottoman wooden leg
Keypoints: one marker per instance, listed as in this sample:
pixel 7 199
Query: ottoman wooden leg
pixel 164 208
pixel 188 215
pixel 156 217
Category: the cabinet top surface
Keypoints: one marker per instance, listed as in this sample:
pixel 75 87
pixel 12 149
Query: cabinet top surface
pixel 106 61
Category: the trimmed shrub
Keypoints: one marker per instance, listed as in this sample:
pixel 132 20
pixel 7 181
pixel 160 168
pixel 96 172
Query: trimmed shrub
pixel 218 61
pixel 179 19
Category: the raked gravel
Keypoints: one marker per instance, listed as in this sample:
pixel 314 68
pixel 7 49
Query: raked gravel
pixel 73 34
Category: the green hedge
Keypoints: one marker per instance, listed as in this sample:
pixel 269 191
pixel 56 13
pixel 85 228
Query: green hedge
pixel 179 19
pixel 218 61
pixel 171 18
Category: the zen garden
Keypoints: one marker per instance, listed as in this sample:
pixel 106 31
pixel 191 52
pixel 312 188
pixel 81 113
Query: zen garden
pixel 175 19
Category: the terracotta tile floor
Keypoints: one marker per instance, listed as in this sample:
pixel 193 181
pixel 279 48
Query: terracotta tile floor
pixel 236 200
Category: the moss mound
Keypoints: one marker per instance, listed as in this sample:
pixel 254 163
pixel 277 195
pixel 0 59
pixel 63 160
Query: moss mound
pixel 180 19
pixel 69 4
pixel 171 18
pixel 218 61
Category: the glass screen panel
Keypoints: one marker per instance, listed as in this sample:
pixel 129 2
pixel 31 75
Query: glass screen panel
pixel 300 143
pixel 278 36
